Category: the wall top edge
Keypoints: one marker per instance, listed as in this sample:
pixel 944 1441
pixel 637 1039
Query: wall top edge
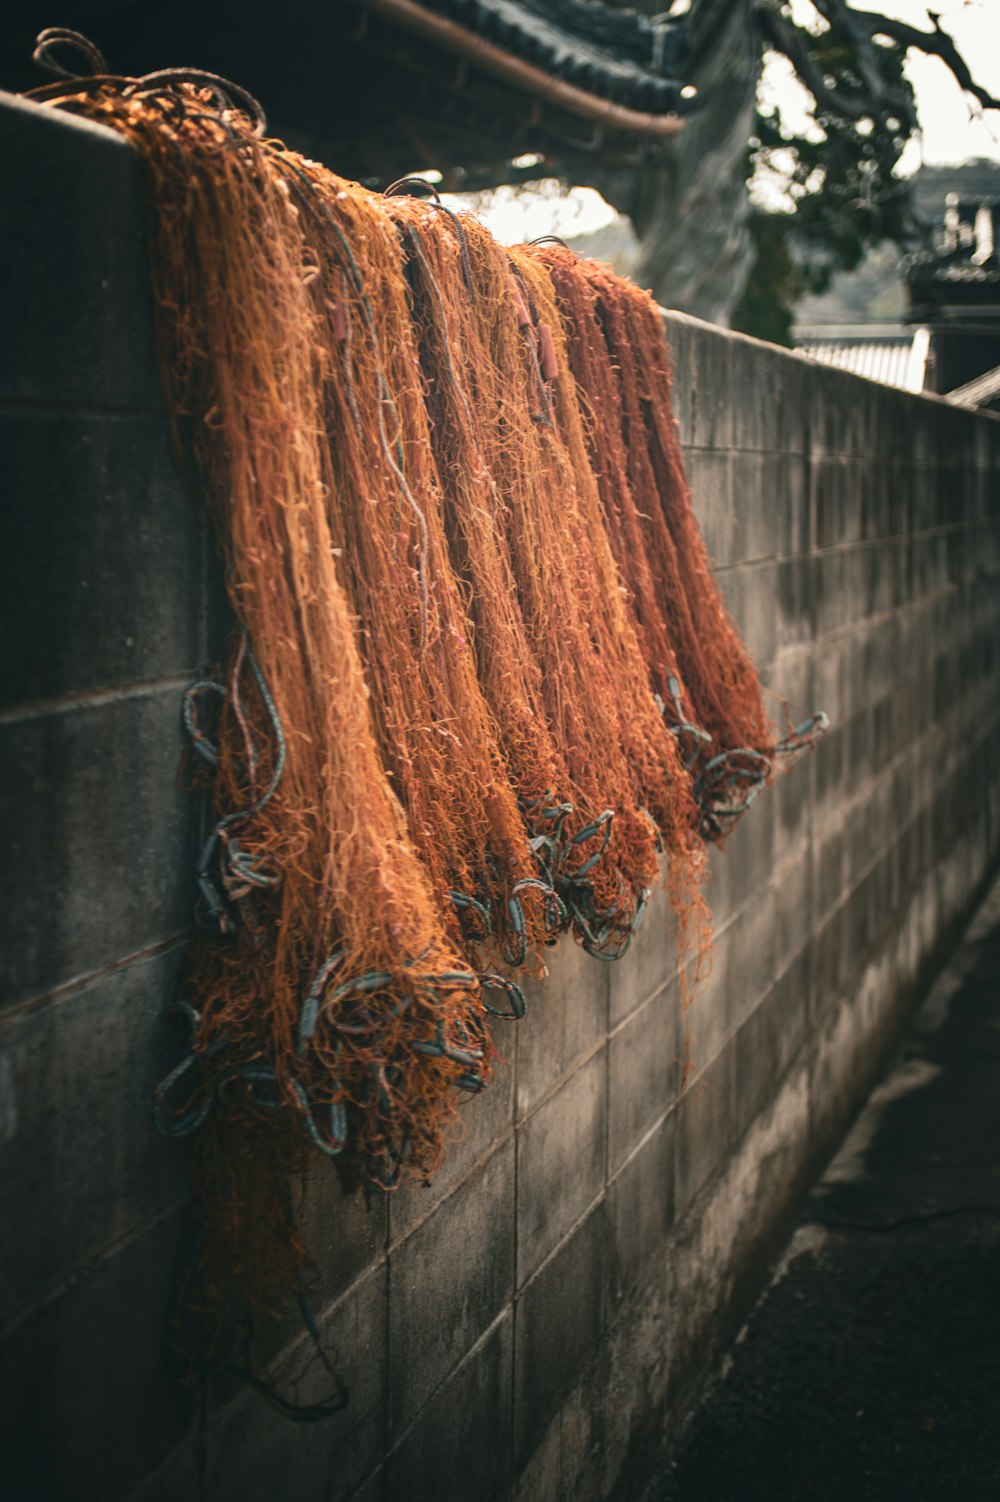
pixel 672 318
pixel 16 104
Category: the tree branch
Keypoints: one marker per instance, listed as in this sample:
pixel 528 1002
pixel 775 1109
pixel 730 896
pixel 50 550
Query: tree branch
pixel 791 43
pixel 840 17
pixel 936 43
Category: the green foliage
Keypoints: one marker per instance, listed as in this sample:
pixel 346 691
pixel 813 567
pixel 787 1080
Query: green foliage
pixel 774 283
pixel 837 175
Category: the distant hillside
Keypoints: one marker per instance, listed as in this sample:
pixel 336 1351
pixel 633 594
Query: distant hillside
pixel 874 292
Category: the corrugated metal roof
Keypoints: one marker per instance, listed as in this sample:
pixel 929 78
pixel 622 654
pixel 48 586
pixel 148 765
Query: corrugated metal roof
pixel 895 355
pixel 985 388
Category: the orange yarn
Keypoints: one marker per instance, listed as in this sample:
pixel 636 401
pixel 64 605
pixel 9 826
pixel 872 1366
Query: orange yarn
pixel 479 648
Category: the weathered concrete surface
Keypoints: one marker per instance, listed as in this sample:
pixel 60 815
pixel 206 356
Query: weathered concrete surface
pixel 871 1367
pixel 524 1329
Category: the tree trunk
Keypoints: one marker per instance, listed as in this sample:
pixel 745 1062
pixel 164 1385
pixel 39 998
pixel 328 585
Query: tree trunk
pixel 689 203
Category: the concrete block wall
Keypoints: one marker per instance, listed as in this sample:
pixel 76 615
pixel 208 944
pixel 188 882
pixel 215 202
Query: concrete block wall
pixel 532 1325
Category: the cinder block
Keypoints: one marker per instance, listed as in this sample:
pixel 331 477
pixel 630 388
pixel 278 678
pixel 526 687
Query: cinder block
pixel 841 415
pixel 837 497
pixel 753 371
pixel 460 1446
pixel 567 1019
pixel 868 828
pixel 682 337
pixel 850 1050
pixel 645 1059
pixel 559 1320
pixel 101 556
pixel 345 1233
pixel 930 564
pixel 75 304
pixel 482 1121
pixel 742 971
pixel 856 584
pixel 792 391
pixel 372 1490
pixel 769 1040
pixel 917 632
pixel 90 1403
pixel 832 605
pixel 101 838
pixel 793 910
pixel 884 740
pixel 830 773
pixel 709 419
pixel 829 865
pixel 743 867
pixel 860 760
pixel 541 1477
pixel 880 579
pixel 791 794
pixel 877 518
pixel 750 595
pixel 838 689
pixel 641 1207
pixel 448 1281
pixel 706 1116
pixel 255 1455
pixel 561 1163
pixel 904 591
pixel 790 688
pixel 651 960
pixel 900 497
pixel 788 473
pixel 180 1475
pixel 795 626
pixel 79 1155
pixel 754 503
pixel 710 478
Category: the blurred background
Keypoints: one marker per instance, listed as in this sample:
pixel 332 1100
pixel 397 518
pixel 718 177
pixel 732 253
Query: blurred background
pixel 804 171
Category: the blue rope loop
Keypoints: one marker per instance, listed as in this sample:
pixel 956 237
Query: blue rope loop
pixel 476 917
pixel 804 736
pixel 201 742
pixel 439 1047
pixel 180 1118
pixel 681 727
pixel 727 787
pixel 605 933
pixel 491 980
pixel 226 873
pixel 320 998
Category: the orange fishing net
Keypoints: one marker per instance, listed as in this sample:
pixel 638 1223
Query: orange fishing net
pixel 478 655
pixel 596 770
pixel 698 665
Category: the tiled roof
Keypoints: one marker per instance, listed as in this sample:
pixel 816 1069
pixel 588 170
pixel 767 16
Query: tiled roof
pixel 893 355
pixel 967 247
pixel 984 389
pixel 619 54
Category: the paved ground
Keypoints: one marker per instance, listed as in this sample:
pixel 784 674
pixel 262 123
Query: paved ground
pixel 870 1370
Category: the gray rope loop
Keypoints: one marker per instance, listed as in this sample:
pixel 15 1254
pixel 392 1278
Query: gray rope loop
pixel 54 37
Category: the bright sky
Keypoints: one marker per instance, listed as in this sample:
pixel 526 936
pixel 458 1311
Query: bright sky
pixel 949 134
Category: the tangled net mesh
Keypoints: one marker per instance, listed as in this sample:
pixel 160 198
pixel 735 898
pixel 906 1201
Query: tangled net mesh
pixel 480 671
pixel 699 667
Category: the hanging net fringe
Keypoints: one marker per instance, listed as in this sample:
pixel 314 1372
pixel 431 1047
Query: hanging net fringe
pixel 482 686
pixel 700 670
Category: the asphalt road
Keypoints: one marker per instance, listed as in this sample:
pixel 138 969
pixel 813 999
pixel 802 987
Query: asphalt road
pixel 870 1369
